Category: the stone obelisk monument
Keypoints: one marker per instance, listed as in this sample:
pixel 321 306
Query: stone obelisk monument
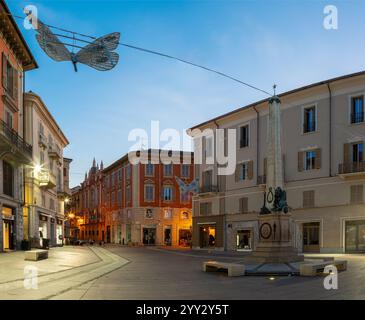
pixel 275 224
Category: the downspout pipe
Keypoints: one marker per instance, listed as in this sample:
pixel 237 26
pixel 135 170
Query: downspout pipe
pixel 257 144
pixel 330 128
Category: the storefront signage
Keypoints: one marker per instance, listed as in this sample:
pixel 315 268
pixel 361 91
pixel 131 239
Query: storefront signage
pixel 149 214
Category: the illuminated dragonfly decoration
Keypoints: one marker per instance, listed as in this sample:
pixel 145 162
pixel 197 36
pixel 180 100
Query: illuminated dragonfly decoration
pixel 193 186
pixel 97 54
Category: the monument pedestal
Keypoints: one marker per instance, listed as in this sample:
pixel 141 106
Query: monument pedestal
pixel 275 235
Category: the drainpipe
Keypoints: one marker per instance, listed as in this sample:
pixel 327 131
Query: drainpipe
pixel 330 129
pixel 257 144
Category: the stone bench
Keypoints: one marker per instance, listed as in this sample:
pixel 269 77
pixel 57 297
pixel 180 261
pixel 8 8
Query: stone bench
pixel 35 255
pixel 233 269
pixel 312 269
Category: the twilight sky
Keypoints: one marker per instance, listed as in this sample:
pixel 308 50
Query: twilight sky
pixel 260 42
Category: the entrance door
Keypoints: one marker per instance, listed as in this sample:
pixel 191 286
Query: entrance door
pixel 167 236
pixel 207 236
pixel 8 234
pixel 355 236
pixel 244 240
pixel 149 236
pixel 311 237
pixel 108 234
pixel 128 233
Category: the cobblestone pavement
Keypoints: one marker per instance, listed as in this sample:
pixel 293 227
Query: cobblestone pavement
pixel 154 273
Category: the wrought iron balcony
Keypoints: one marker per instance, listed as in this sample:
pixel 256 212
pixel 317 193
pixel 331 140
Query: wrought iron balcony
pixel 352 167
pixel 208 188
pixel 10 140
pixel 357 117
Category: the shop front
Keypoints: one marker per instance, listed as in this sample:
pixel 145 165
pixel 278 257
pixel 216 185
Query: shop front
pixel 208 232
pixel 149 235
pixel 355 236
pixel 43 230
pixel 8 228
pixel 59 233
pixel 168 235
pixel 244 240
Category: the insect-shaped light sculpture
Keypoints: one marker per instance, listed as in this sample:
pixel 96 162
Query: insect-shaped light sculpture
pixel 98 54
pixel 193 186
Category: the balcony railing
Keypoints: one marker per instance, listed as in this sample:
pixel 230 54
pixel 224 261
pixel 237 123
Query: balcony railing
pixel 357 117
pixel 352 167
pixel 46 179
pixel 208 188
pixel 309 127
pixel 14 139
pixel 54 152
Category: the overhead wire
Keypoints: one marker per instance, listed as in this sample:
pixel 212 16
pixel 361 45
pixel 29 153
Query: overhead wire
pixel 143 50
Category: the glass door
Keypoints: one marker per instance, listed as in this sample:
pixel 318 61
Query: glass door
pixel 355 236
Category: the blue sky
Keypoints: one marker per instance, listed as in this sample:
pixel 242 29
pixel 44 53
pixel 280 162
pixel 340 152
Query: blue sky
pixel 260 42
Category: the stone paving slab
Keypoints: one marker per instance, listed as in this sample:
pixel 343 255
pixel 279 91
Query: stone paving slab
pixel 12 264
pixel 53 284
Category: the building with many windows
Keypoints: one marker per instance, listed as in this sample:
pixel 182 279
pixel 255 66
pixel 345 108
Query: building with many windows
pixel 323 133
pixel 46 181
pixel 136 204
pixel 15 153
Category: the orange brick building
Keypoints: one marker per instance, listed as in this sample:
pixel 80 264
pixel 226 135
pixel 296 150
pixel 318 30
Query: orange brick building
pixel 137 204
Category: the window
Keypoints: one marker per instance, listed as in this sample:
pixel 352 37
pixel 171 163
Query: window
pixel 243 205
pixel 185 170
pixel 51 204
pixel 149 193
pixel 113 199
pixel 128 171
pixel 41 157
pixel 8 179
pixel 243 171
pixel 9 78
pixel 41 128
pixel 120 197
pixel 167 193
pixel 168 213
pixel 205 208
pixel 9 119
pixel 357 193
pixel 357 109
pixel 244 136
pixel 308 199
pixel 207 179
pixel 310 160
pixel 357 152
pixel 128 193
pixel 167 170
pixel 208 147
pixel 120 174
pixel 149 169
pixel 309 118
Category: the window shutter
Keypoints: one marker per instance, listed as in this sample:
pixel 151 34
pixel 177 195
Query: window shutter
pixel 346 153
pixel 250 170
pixel 237 172
pixel 300 161
pixel 318 159
pixel 4 71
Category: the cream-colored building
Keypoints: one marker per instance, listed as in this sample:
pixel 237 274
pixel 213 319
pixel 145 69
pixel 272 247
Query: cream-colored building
pixel 46 187
pixel 323 132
